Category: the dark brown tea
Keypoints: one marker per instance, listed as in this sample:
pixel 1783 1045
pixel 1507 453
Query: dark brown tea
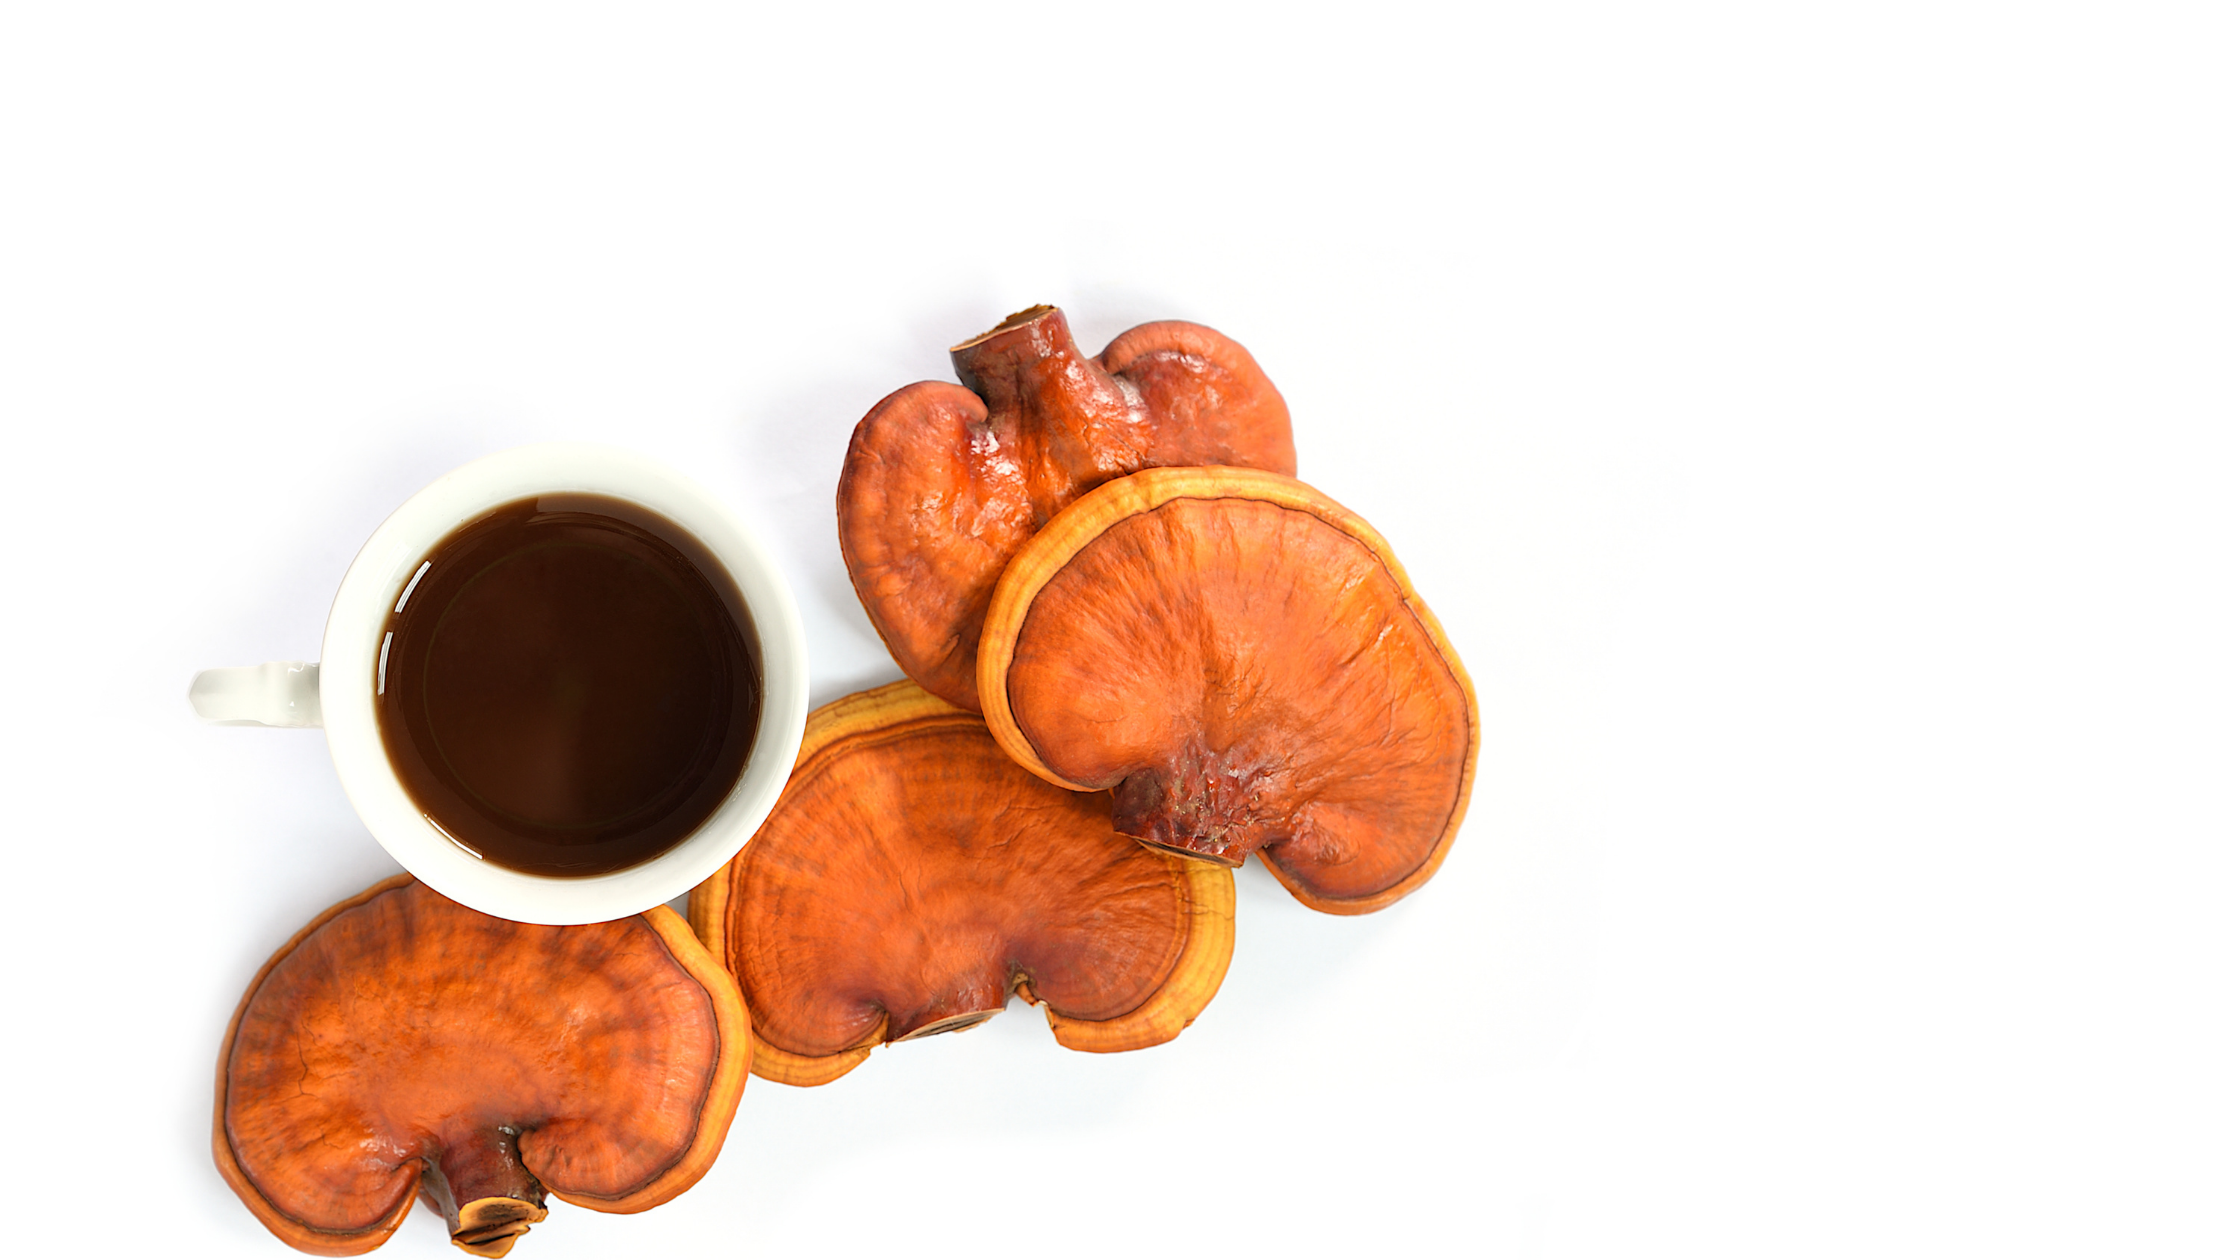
pixel 570 685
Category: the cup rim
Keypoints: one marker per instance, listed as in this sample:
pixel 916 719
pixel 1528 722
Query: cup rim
pixel 349 661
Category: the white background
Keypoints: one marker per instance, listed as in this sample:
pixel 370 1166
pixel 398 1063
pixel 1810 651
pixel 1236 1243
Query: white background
pixel 1815 426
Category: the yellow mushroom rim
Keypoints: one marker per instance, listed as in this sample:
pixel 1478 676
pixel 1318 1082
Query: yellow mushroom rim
pixel 1088 518
pixel 1206 925
pixel 490 1226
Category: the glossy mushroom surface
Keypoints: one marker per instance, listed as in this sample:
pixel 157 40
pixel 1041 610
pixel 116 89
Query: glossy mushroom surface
pixel 1243 663
pixel 943 483
pixel 912 878
pixel 405 1045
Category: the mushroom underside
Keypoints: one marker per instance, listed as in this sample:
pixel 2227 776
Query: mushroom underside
pixel 912 879
pixel 1244 666
pixel 944 483
pixel 404 1045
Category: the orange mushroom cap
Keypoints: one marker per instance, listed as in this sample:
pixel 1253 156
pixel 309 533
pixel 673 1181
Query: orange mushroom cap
pixel 1244 664
pixel 944 483
pixel 912 878
pixel 403 1044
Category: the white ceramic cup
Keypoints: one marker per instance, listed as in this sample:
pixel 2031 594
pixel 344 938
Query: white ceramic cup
pixel 338 692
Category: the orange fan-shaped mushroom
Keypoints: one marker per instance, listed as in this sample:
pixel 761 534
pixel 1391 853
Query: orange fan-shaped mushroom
pixel 1243 663
pixel 943 483
pixel 405 1044
pixel 912 878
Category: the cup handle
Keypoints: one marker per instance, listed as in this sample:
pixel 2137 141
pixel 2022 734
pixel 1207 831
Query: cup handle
pixel 276 693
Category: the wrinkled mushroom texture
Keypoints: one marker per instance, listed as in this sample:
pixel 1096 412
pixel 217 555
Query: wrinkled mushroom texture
pixel 404 1044
pixel 1243 663
pixel 943 483
pixel 912 878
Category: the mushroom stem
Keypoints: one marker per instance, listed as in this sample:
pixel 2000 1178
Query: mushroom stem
pixel 488 1227
pixel 487 1198
pixel 1066 410
pixel 968 1001
pixel 952 1023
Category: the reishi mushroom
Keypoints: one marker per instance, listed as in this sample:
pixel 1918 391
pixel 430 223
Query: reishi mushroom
pixel 1243 663
pixel 405 1044
pixel 943 483
pixel 912 878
